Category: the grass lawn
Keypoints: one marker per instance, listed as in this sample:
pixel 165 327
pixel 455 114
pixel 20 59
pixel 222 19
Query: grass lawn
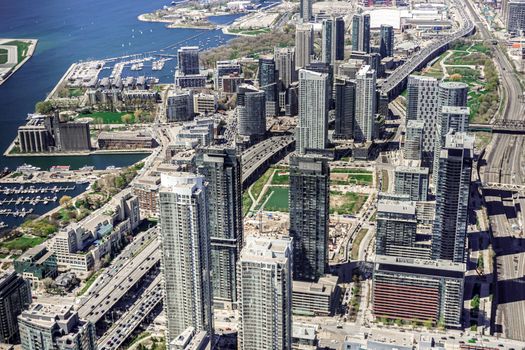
pixel 385 180
pixel 107 117
pixel 482 139
pixel 281 177
pixel 346 203
pixel 278 199
pixel 246 203
pixel 341 176
pixel 259 184
pixel 22 48
pixel 89 282
pixel 22 243
pixel 3 56
pixel 350 171
pixel 357 241
pixel 250 31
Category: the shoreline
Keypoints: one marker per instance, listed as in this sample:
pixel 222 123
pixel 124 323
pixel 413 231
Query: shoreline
pixel 82 153
pixel 29 54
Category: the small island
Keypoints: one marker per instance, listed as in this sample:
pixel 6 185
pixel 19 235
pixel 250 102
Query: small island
pixel 13 54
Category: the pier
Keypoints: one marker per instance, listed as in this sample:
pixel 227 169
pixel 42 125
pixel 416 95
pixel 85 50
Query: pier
pixel 32 190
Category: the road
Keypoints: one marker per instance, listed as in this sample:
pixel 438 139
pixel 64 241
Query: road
pixel 133 317
pixel 421 57
pixel 110 290
pixel 505 164
pixel 258 154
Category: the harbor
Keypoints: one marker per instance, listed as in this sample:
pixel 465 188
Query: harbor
pixel 19 202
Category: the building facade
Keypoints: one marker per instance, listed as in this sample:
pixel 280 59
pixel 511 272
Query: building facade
pixel 285 63
pixel 413 147
pixel 179 106
pixel 55 327
pixel 423 105
pixel 386 37
pixel 365 105
pixel 312 127
pixel 345 96
pixel 186 254
pixel 515 15
pixel 304 41
pixel 309 210
pixel 15 296
pixel 251 112
pixel 188 60
pixel 397 228
pixel 221 168
pixel 333 40
pixel 418 290
pixel 413 181
pixel 268 79
pixel 452 198
pixel 265 294
pixel 361 32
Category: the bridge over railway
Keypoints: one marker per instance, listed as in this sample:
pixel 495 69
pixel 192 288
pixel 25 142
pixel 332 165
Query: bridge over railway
pixel 396 83
pixel 256 159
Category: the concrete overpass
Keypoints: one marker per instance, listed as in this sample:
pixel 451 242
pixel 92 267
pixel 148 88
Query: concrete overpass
pixel 257 159
pixel 501 126
pixel 128 272
pixel 396 83
pixel 126 325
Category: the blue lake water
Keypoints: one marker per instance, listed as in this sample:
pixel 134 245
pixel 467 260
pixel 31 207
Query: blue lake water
pixel 52 192
pixel 73 30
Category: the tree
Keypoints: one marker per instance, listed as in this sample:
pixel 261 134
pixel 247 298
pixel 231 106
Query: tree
pixel 44 107
pixel 126 118
pixel 65 201
pixel 138 115
pixel 474 303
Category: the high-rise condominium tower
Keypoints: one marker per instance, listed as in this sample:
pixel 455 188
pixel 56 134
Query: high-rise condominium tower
pixel 386 46
pixel 305 10
pixel 312 128
pixel 365 105
pixel 309 203
pixel 452 198
pixel 268 78
pixel 221 168
pixel 345 90
pixel 304 41
pixel 361 33
pixel 285 63
pixel 185 241
pixel 251 111
pixel 333 43
pixel 188 60
pixel 265 294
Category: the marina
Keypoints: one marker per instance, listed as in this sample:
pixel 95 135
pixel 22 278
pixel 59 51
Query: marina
pixel 20 201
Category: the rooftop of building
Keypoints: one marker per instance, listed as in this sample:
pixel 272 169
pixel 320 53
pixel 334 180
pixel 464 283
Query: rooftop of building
pixel 46 312
pixel 412 166
pixel 304 331
pixel 125 135
pixel 435 265
pixel 180 182
pixel 459 140
pixel 396 206
pixel 455 110
pixel 324 286
pixel 265 249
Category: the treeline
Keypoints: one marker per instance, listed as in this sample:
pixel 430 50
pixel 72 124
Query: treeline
pixel 249 46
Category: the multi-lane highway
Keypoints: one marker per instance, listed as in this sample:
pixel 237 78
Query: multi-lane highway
pixel 505 164
pixel 110 289
pixel 391 84
pixel 262 152
pixel 133 317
